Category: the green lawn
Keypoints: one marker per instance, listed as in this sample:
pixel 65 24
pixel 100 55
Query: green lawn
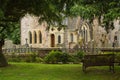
pixel 34 71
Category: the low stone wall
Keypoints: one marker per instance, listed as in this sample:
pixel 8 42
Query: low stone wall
pixel 45 51
pixel 41 51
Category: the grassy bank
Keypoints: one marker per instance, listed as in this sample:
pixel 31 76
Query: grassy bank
pixel 33 71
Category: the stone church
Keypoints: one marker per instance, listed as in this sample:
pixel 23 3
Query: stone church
pixel 77 33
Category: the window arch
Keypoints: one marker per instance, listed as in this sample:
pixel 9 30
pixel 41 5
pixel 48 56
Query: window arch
pixel 35 37
pixel 40 37
pixel 30 37
pixel 59 39
pixel 85 33
pixel 71 37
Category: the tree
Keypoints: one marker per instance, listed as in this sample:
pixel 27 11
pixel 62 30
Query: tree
pixel 53 11
pixel 105 10
pixel 15 35
pixel 11 11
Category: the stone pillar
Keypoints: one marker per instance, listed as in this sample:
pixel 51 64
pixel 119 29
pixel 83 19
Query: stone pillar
pixel 38 37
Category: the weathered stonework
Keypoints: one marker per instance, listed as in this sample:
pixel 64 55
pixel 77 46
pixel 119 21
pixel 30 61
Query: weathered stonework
pixel 77 32
pixel 104 39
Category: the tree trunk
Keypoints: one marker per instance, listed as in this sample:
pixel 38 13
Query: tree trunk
pixel 3 61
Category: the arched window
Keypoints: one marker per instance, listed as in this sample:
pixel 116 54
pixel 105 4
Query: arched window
pixel 59 39
pixel 40 37
pixel 71 37
pixel 30 37
pixel 35 37
pixel 85 33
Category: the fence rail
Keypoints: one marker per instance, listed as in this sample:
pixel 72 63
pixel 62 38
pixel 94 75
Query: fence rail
pixel 19 50
pixel 27 50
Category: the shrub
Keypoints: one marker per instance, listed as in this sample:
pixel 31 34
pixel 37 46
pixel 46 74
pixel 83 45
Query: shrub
pixel 117 57
pixel 53 57
pixel 28 57
pixel 39 60
pixel 13 58
pixel 57 56
pixel 80 54
pixel 65 58
pixel 31 57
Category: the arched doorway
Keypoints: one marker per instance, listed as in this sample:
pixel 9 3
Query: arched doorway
pixel 52 40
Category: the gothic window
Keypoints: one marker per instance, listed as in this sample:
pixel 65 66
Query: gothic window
pixel 84 34
pixel 35 37
pixel 30 37
pixel 40 37
pixel 59 39
pixel 71 36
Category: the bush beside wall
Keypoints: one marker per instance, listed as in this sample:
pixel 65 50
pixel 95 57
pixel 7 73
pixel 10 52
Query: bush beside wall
pixel 53 57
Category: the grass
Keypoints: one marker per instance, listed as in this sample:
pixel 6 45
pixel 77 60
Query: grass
pixel 34 71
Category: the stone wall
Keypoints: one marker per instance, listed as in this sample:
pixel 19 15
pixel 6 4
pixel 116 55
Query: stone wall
pixel 75 26
pixel 30 24
pixel 104 39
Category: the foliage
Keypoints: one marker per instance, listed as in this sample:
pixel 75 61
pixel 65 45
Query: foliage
pixel 117 58
pixel 39 60
pixel 32 56
pixel 11 12
pixel 28 57
pixel 53 57
pixel 53 11
pixel 80 54
pixel 15 35
pixel 57 56
pixel 106 11
pixel 65 57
